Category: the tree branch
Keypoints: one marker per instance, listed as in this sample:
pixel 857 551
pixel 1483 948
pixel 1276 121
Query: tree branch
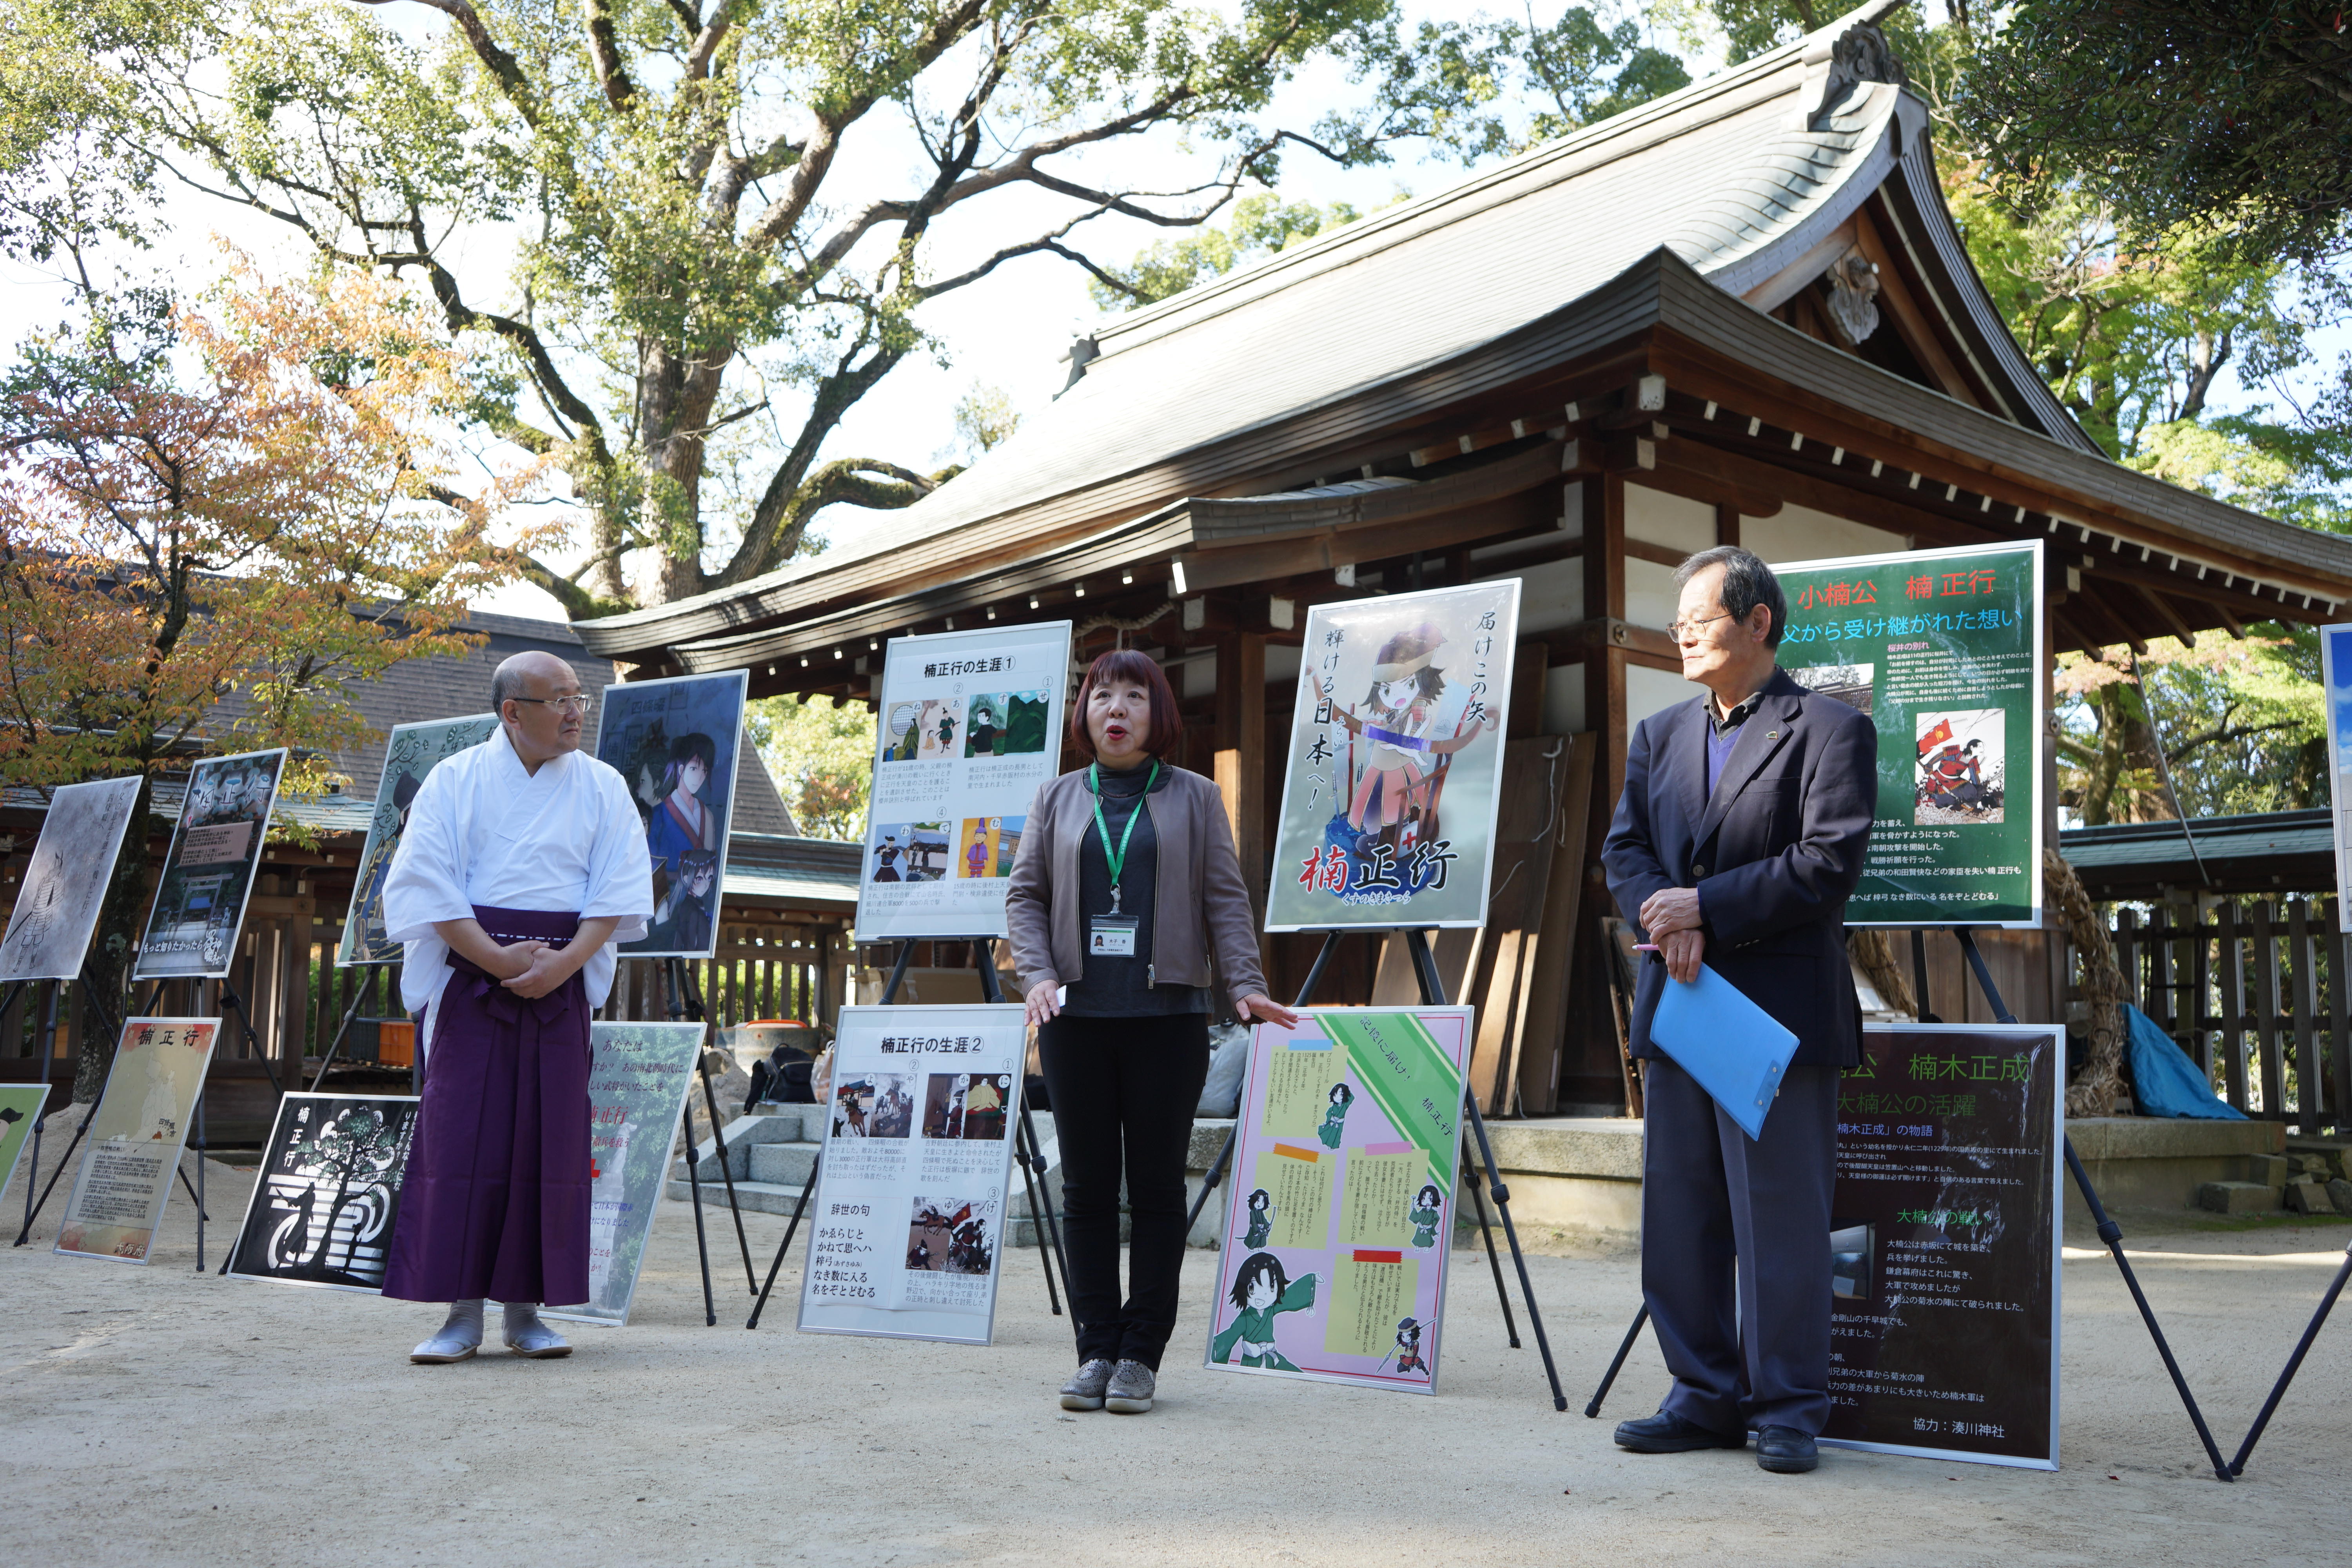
pixel 604 51
pixel 503 67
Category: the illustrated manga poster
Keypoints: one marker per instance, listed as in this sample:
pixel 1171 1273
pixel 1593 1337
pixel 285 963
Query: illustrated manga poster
pixel 2336 681
pixel 676 742
pixel 323 1211
pixel 971 725
pixel 1331 1266
pixel 142 1121
pixel 1393 769
pixel 1944 649
pixel 908 1238
pixel 20 1112
pixel 411 752
pixel 638 1087
pixel 208 871
pixel 1946 1241
pixel 57 902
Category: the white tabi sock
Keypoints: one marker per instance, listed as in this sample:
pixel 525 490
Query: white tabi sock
pixel 457 1338
pixel 526 1335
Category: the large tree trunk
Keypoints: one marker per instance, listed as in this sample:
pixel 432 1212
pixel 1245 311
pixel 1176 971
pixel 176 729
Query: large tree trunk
pixel 2112 790
pixel 677 390
pixel 2098 1089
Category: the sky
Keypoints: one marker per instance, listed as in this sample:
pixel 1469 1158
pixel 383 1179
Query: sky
pixel 1011 331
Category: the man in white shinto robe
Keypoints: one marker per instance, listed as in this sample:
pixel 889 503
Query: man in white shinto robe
pixel 523 863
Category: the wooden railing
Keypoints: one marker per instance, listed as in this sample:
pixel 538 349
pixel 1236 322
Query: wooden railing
pixel 2256 991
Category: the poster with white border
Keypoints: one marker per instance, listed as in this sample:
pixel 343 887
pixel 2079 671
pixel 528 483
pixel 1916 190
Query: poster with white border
pixel 410 751
pixel 1946 650
pixel 209 869
pixel 971 724
pixel 678 743
pixel 2335 682
pixel 324 1202
pixel 133 1149
pixel 57 902
pixel 1332 1262
pixel 908 1220
pixel 637 1085
pixel 1393 769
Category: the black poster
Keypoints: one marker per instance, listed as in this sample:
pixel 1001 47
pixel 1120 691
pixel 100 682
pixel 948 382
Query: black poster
pixel 1944 1245
pixel 322 1210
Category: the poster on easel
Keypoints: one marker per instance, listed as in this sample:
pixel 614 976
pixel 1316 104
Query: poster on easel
pixel 327 1194
pixel 142 1122
pixel 57 901
pixel 971 724
pixel 1944 651
pixel 1946 1233
pixel 2336 681
pixel 678 743
pixel 1393 768
pixel 908 1220
pixel 208 871
pixel 638 1087
pixel 1331 1264
pixel 411 752
pixel 20 1112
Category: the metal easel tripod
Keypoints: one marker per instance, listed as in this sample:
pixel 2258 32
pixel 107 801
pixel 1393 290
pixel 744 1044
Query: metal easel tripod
pixel 684 998
pixel 1433 994
pixel 2110 1233
pixel 1025 1150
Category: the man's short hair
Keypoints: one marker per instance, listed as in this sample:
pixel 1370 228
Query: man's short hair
pixel 1746 583
pixel 504 684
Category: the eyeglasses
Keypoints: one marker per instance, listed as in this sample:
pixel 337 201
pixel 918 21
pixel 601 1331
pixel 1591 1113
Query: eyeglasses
pixel 561 704
pixel 1681 629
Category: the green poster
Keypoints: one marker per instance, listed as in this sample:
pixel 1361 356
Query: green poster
pixel 20 1112
pixel 412 752
pixel 639 1077
pixel 1409 1076
pixel 1943 648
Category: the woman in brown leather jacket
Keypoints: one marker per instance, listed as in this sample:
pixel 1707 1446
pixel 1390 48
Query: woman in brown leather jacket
pixel 1125 886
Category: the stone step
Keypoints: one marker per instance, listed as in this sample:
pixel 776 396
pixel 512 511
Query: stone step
pixel 759 1197
pixel 782 1163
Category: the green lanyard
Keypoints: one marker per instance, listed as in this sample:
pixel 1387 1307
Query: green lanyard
pixel 1117 858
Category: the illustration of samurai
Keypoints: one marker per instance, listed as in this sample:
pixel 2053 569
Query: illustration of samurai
pixel 1424 1215
pixel 1335 1119
pixel 1261 1218
pixel 1408 1350
pixel 1401 767
pixel 1261 1288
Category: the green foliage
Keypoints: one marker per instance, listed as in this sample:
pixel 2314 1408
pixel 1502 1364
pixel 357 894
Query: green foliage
pixel 2243 727
pixel 2233 115
pixel 984 417
pixel 822 760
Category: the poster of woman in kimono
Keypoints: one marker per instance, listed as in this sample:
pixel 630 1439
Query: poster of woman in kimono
pixel 676 742
pixel 1393 773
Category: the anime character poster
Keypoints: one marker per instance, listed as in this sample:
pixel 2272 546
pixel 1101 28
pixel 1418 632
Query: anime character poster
pixel 971 725
pixel 410 752
pixel 1331 1266
pixel 208 871
pixel 322 1210
pixel 20 1112
pixel 676 742
pixel 910 1202
pixel 1943 648
pixel 2336 681
pixel 57 902
pixel 1392 772
pixel 638 1087
pixel 142 1121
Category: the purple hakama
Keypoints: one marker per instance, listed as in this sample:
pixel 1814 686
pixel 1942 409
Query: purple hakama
pixel 496 1200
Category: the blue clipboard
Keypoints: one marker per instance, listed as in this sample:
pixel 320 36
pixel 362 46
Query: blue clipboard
pixel 1733 1048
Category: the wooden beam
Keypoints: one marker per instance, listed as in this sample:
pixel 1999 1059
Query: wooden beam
pixel 1240 763
pixel 2167 614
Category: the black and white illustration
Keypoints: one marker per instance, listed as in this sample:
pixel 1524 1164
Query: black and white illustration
pixel 57 902
pixel 328 1194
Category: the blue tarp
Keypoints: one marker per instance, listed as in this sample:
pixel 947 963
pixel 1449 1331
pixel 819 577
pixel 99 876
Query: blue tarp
pixel 2164 1081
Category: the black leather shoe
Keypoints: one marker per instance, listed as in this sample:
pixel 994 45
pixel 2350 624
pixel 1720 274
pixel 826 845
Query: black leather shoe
pixel 1785 1451
pixel 1669 1434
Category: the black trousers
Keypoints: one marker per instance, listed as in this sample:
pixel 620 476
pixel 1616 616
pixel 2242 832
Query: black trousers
pixel 1735 1249
pixel 1124 1093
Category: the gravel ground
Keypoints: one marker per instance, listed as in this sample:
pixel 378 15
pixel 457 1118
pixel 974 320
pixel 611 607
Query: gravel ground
pixel 156 1415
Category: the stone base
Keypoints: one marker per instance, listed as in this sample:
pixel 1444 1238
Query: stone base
pixel 2165 1163
pixel 2235 1197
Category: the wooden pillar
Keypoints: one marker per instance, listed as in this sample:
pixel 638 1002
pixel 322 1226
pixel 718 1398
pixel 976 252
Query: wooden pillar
pixel 1604 665
pixel 1727 524
pixel 1240 755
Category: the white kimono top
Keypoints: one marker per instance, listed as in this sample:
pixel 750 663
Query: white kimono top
pixel 483 830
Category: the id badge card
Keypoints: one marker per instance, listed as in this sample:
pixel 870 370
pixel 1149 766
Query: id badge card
pixel 1112 936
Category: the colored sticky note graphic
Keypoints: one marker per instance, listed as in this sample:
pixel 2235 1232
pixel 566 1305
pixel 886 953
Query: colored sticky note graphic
pixel 1298 1183
pixel 1376 1197
pixel 1298 1078
pixel 1372 1293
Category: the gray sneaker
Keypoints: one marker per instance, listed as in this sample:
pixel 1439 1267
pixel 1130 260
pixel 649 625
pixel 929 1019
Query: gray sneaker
pixel 1130 1388
pixel 1084 1389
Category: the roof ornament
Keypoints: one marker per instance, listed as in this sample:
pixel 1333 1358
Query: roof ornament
pixel 1840 61
pixel 1083 350
pixel 1853 294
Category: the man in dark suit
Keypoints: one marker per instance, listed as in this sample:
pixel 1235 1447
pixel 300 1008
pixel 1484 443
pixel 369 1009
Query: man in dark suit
pixel 1738 841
